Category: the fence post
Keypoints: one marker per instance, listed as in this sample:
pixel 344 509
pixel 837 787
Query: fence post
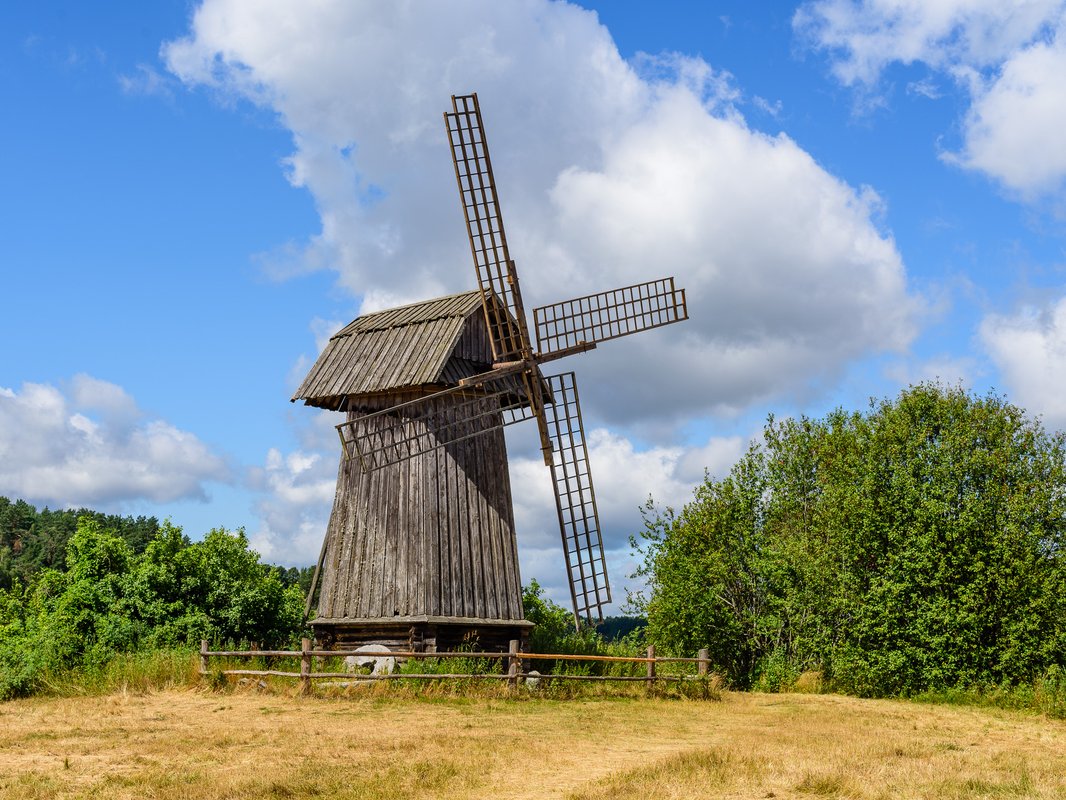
pixel 203 656
pixel 651 666
pixel 305 666
pixel 704 663
pixel 514 664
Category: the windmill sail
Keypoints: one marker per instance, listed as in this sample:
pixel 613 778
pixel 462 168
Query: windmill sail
pixel 496 274
pixel 575 501
pixel 608 315
pixel 484 225
pixel 413 428
pixel 431 543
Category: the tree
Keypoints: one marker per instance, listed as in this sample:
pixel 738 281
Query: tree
pixel 703 572
pixel 919 545
pixel 32 540
pixel 110 599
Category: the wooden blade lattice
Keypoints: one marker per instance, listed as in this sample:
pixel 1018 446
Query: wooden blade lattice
pixel 484 225
pixel 575 500
pixel 608 315
pixel 419 426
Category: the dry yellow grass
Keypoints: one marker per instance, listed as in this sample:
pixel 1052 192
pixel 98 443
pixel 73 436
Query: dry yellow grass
pixel 192 745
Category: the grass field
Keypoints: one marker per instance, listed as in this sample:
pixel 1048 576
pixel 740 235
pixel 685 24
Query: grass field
pixel 199 744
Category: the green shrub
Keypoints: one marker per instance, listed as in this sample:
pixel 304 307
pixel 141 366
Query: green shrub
pixel 915 548
pixel 113 612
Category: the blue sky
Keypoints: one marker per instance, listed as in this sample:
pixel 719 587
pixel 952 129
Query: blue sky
pixel 857 194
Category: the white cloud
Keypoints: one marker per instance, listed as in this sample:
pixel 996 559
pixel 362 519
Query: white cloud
pixel 107 399
pixel 296 495
pixel 1029 348
pixel 295 492
pixel 924 88
pixel 1008 57
pixel 1013 130
pixel 608 174
pixel 946 369
pixel 768 245
pixel 865 36
pixel 89 445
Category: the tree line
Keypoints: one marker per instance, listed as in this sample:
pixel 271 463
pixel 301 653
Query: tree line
pixel 916 546
pixel 106 597
pixel 32 540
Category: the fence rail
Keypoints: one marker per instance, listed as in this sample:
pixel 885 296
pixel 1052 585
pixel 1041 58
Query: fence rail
pixel 514 657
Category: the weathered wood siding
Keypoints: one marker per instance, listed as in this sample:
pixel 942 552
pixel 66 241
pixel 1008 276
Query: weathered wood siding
pixel 433 535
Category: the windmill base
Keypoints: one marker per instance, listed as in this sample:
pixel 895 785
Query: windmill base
pixel 422 634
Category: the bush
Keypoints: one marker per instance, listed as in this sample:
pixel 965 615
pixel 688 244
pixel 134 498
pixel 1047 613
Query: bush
pixel 918 547
pixel 111 606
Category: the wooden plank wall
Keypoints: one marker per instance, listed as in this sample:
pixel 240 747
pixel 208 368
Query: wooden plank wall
pixel 433 535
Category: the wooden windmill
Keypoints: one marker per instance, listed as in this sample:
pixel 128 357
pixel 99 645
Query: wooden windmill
pixel 420 550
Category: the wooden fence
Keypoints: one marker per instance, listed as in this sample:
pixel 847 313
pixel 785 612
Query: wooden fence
pixel 514 656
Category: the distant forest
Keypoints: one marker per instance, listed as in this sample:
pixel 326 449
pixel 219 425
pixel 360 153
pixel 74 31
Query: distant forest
pixel 32 540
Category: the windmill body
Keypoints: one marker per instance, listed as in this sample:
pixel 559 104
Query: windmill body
pixel 421 550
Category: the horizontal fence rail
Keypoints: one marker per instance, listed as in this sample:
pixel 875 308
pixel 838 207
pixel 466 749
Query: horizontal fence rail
pixel 514 658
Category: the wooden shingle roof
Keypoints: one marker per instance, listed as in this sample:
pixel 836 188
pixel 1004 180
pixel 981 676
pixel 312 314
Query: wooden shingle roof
pixel 435 342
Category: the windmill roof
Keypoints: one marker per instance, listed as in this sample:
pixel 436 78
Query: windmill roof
pixel 426 343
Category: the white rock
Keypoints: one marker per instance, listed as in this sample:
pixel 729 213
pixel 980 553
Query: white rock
pixel 374 655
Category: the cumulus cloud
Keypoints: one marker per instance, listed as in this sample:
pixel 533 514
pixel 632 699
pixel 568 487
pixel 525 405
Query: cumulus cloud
pixel 297 491
pixel 87 443
pixel 1008 57
pixel 767 244
pixel 865 36
pixel 1029 348
pixel 609 173
pixel 1013 130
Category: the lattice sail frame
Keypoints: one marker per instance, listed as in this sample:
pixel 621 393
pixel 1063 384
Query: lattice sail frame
pixel 607 315
pixel 484 226
pixel 496 273
pixel 575 502
pixel 419 426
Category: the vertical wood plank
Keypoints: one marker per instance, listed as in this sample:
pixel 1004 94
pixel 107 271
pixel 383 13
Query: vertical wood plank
pixel 340 545
pixel 434 538
pixel 348 547
pixel 509 541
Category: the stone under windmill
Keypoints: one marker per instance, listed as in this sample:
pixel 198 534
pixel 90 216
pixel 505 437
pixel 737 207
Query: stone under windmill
pixel 420 550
